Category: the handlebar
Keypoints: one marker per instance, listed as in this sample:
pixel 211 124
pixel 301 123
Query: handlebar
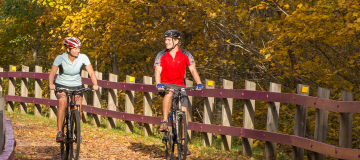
pixel 67 90
pixel 180 89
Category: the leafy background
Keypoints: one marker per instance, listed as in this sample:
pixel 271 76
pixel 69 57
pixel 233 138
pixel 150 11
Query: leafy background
pixel 313 42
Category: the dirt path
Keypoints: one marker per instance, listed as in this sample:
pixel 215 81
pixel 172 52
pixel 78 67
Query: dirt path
pixel 35 139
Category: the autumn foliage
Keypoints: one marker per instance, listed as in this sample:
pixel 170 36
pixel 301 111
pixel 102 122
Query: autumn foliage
pixel 313 42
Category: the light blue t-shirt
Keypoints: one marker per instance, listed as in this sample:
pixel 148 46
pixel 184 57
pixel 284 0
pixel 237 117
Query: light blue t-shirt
pixel 69 74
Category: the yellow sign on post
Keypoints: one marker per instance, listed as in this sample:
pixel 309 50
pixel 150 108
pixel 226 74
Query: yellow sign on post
pixel 13 68
pixel 305 89
pixel 210 83
pixel 131 79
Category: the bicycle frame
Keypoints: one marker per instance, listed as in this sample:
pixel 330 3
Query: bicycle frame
pixel 70 108
pixel 175 114
pixel 71 119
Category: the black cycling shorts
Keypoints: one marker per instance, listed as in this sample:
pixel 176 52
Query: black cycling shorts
pixel 184 100
pixel 62 86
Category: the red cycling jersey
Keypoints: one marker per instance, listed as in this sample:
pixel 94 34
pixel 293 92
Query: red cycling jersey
pixel 173 69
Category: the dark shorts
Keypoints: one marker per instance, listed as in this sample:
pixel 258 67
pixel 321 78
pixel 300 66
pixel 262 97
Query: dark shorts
pixel 62 86
pixel 184 100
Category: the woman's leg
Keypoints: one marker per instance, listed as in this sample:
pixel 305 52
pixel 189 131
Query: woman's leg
pixel 78 99
pixel 61 109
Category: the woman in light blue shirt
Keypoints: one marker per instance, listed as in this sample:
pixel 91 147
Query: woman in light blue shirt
pixel 70 64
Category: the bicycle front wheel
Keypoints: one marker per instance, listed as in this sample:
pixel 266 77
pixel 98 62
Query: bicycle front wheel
pixel 64 144
pixel 182 136
pixel 169 139
pixel 74 136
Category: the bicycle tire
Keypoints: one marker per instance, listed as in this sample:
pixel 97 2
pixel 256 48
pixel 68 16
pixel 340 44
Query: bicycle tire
pixel 76 137
pixel 181 148
pixel 170 142
pixel 63 145
pixel 169 146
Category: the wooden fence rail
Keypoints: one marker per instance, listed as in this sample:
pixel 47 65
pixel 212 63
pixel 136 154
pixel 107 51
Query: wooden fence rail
pixel 226 95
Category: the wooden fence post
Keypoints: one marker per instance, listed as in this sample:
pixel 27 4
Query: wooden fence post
pixel 300 122
pixel 38 91
pixel 272 122
pixel 249 113
pixel 208 112
pixel 321 122
pixel 227 110
pixel 129 104
pixel 148 128
pixel 1 82
pixel 24 90
pixel 2 122
pixel 346 123
pixel 11 89
pixel 97 100
pixel 112 98
pixel 84 74
pixel 190 109
pixel 53 109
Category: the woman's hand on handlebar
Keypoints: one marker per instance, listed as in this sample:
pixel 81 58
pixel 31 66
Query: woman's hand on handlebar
pixel 52 87
pixel 95 87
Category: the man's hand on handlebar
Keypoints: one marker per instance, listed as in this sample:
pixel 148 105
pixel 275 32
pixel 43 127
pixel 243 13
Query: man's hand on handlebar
pixel 160 86
pixel 199 87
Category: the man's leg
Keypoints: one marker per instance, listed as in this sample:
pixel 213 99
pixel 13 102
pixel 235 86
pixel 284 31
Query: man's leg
pixel 182 126
pixel 186 113
pixel 166 107
pixel 184 107
pixel 167 104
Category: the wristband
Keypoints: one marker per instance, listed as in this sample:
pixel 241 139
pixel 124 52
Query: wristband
pixel 199 86
pixel 159 86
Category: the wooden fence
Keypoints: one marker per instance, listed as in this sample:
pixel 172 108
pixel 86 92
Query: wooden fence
pixel 227 94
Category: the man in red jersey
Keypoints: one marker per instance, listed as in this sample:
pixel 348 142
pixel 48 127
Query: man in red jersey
pixel 170 66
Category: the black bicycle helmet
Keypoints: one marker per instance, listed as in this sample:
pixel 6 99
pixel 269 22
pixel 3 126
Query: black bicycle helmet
pixel 173 34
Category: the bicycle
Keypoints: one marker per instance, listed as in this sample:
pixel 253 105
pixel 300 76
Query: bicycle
pixel 71 120
pixel 176 120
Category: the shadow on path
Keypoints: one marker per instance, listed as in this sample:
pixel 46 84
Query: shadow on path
pixel 155 151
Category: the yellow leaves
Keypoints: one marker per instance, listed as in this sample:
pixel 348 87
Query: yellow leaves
pixel 267 56
pixel 263 51
pixel 212 15
pixel 300 5
pixel 286 6
pixel 231 62
pixel 256 143
pixel 51 4
pixel 358 20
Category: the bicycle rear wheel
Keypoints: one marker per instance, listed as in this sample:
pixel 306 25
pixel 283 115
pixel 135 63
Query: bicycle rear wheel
pixel 75 136
pixel 182 138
